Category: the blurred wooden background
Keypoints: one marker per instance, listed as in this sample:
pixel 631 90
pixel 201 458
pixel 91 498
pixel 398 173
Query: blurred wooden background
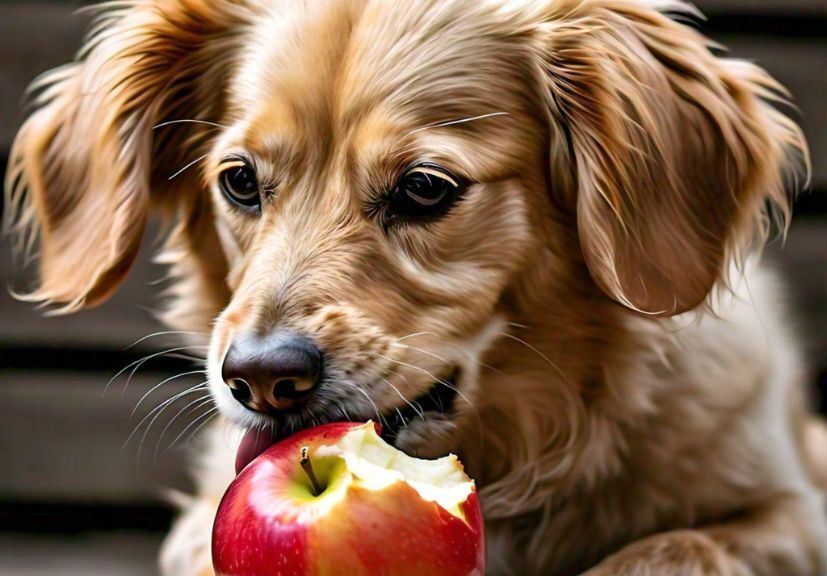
pixel 63 469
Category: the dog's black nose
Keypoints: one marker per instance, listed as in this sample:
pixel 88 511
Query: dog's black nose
pixel 273 371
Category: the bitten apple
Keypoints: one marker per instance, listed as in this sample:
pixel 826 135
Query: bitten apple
pixel 338 500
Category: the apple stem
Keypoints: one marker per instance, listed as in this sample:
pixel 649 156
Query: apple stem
pixel 308 469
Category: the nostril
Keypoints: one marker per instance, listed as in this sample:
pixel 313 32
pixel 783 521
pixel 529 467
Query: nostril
pixel 240 389
pixel 293 388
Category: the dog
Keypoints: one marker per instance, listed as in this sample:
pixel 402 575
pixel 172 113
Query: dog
pixel 525 232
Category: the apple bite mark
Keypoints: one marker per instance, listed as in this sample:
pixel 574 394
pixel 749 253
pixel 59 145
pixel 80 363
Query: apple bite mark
pixel 375 465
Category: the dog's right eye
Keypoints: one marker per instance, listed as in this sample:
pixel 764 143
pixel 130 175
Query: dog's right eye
pixel 239 185
pixel 424 193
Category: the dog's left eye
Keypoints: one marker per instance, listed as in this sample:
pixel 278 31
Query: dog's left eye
pixel 425 191
pixel 238 183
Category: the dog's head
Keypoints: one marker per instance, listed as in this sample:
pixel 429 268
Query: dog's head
pixel 365 192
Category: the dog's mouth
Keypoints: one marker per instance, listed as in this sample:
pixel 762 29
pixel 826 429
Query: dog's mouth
pixel 437 401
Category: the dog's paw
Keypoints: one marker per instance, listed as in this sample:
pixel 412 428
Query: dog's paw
pixel 186 550
pixel 679 553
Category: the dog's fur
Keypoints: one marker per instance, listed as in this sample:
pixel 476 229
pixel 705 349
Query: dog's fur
pixel 630 400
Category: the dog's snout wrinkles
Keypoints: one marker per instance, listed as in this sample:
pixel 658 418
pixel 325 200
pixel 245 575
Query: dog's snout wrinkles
pixel 272 371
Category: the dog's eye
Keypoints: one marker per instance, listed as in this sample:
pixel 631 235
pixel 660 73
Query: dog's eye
pixel 424 191
pixel 239 184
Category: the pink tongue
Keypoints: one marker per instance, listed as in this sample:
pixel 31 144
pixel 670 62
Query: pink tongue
pixel 254 443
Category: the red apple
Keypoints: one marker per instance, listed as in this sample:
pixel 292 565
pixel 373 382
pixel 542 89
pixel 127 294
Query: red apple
pixel 374 510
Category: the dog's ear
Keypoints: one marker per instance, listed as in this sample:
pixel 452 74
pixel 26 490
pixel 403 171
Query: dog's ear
pixel 676 153
pixel 88 164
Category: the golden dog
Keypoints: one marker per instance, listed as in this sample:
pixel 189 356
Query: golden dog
pixel 520 231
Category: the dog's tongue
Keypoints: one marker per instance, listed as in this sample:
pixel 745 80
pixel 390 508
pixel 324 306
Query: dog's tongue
pixel 254 443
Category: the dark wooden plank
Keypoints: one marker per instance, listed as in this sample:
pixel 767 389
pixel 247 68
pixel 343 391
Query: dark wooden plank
pixel 61 439
pixel 121 554
pixel 809 7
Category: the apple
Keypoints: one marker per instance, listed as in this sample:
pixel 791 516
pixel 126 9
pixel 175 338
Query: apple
pixel 339 500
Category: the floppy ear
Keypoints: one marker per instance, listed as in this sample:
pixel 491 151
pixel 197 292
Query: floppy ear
pixel 87 165
pixel 676 153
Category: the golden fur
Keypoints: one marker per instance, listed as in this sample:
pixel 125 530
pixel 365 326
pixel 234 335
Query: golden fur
pixel 630 397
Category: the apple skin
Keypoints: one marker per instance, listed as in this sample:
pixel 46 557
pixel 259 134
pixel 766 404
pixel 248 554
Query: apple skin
pixel 260 531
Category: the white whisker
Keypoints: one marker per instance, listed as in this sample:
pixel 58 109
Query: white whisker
pixel 414 335
pixel 161 383
pixel 162 333
pixel 540 354
pixel 213 413
pixel 188 121
pixel 138 363
pixel 423 351
pixel 189 408
pixel 159 409
pixel 458 121
pixel 209 412
pixel 369 399
pixel 417 409
pixel 186 357
pixel 438 380
pixel 432 355
pixel 188 166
